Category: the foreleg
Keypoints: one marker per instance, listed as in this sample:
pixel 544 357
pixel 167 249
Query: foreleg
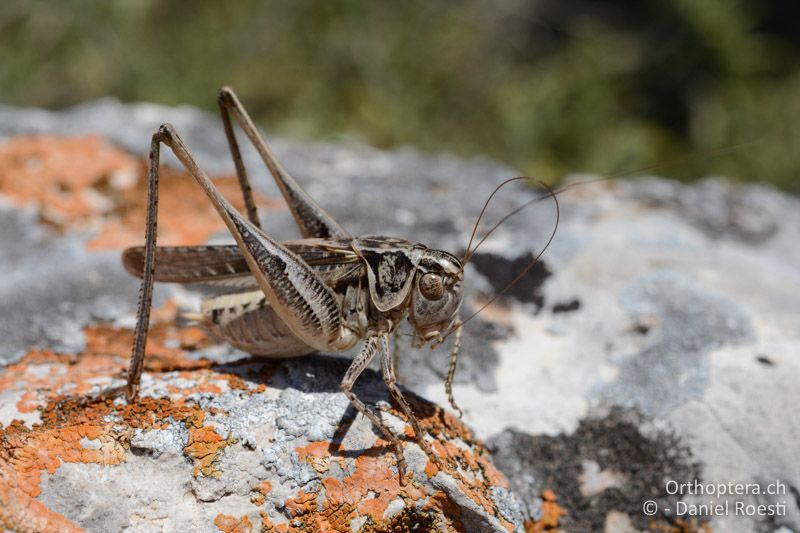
pixel 391 383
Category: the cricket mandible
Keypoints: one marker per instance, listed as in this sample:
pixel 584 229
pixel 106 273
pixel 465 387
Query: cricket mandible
pixel 324 292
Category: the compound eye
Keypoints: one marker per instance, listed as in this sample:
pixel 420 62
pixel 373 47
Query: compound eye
pixel 431 286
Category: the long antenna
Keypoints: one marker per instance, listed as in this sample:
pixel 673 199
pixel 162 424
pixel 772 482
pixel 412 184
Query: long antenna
pixel 568 186
pixel 530 265
pixel 519 276
pixel 552 193
pixel 467 253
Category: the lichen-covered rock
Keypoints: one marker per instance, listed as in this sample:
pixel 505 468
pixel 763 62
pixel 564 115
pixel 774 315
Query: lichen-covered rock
pixel 216 440
pixel 253 445
pixel 655 341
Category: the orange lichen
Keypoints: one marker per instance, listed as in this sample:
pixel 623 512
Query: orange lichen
pixel 368 491
pixel 260 492
pixel 431 469
pixel 551 514
pixel 106 355
pixel 409 520
pixel 28 402
pixel 230 524
pixel 185 215
pixel 318 455
pixel 27 452
pixel 237 383
pixel 440 500
pixel 22 513
pixel 446 429
pixel 268 527
pixel 162 354
pixel 86 183
pixel 69 179
pixel 204 446
pixel 67 422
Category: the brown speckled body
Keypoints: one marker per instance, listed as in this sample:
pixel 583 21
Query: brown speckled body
pixel 371 278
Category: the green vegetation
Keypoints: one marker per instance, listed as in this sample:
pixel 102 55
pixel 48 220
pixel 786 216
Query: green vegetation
pixel 551 87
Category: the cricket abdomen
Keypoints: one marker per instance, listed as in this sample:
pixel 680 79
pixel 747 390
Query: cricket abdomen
pixel 247 322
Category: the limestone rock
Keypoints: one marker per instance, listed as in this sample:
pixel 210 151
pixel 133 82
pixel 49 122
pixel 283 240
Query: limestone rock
pixel 254 445
pixel 656 340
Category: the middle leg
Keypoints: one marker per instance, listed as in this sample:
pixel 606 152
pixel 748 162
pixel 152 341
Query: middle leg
pixel 371 347
pixel 387 369
pixel 396 353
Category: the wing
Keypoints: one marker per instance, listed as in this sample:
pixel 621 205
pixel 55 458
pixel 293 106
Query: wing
pixel 225 266
pixel 212 265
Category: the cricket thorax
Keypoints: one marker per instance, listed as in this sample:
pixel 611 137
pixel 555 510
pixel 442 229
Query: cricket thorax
pixel 407 278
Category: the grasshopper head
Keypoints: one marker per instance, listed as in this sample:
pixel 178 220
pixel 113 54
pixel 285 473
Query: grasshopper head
pixel 436 295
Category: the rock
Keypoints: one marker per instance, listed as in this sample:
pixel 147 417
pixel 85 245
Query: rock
pixel 656 341
pixel 252 445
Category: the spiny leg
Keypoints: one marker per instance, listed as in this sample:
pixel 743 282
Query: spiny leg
pixel 362 360
pixel 241 172
pixel 391 384
pixel 451 371
pixel 312 220
pixel 146 288
pixel 296 293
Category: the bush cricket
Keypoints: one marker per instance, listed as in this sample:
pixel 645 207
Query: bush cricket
pixel 324 292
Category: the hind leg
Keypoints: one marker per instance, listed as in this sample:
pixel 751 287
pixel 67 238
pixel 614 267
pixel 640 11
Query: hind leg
pixel 312 220
pixel 294 290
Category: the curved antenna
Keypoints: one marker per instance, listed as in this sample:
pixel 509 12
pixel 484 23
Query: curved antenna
pixel 558 190
pixel 552 193
pixel 703 154
pixel 519 276
pixel 568 186
pixel 502 220
pixel 468 253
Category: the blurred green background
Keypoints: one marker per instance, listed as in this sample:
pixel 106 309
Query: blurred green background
pixel 548 86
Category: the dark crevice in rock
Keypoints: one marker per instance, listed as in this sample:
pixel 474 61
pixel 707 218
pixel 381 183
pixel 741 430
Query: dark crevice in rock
pixel 795 494
pixel 567 307
pixel 499 271
pixel 764 360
